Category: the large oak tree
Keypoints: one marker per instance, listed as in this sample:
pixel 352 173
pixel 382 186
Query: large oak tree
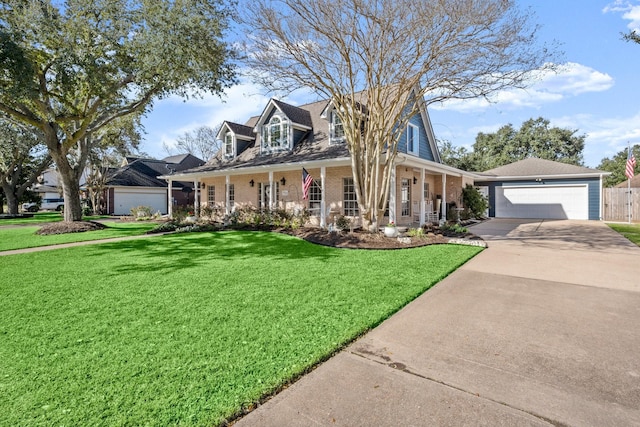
pixel 378 60
pixel 70 68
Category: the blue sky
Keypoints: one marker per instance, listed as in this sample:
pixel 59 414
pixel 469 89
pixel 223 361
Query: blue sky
pixel 596 91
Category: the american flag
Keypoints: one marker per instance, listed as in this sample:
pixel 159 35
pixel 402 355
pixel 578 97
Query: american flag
pixel 307 180
pixel 631 164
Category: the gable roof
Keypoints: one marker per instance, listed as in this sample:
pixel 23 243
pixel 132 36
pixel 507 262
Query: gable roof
pixel 142 172
pixel 311 149
pixel 239 130
pixel 535 167
pixel 181 162
pixel 314 146
pixel 295 114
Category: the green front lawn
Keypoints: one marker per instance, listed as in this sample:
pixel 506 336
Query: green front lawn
pixel 188 329
pixel 40 217
pixel 630 231
pixel 26 237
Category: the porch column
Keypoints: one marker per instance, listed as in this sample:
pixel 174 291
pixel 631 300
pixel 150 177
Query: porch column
pixel 170 199
pixel 421 193
pixel 323 201
pixel 196 198
pixel 443 207
pixel 392 197
pixel 271 190
pixel 227 202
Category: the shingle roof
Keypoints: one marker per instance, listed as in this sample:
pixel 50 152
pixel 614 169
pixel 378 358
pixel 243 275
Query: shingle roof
pixel 635 182
pixel 239 129
pixel 314 146
pixel 295 114
pixel 137 174
pixel 539 167
pixel 181 162
pixel 144 172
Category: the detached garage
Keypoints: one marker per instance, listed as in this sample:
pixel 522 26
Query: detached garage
pixel 543 189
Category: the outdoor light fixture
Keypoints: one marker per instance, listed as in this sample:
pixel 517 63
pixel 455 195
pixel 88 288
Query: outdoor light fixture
pixel 415 180
pixel 283 181
pixel 251 183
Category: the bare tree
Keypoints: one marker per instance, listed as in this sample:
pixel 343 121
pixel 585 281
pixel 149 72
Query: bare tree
pixel 378 61
pixel 201 142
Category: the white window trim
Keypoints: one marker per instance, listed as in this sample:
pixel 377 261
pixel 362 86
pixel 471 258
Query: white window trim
pixel 332 123
pixel 266 145
pixel 233 145
pixel 416 139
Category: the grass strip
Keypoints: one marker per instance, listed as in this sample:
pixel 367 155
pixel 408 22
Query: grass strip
pixel 26 237
pixel 41 217
pixel 630 231
pixel 188 329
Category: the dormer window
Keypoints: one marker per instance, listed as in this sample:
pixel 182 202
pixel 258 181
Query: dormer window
pixel 275 134
pixel 336 128
pixel 228 145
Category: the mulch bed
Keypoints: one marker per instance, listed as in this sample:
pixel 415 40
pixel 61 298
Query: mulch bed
pixel 69 227
pixel 359 239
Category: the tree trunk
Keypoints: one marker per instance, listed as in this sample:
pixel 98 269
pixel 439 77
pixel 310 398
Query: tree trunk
pixel 70 175
pixel 71 192
pixel 12 200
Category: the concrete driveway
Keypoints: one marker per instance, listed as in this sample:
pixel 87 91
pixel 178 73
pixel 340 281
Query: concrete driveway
pixel 540 329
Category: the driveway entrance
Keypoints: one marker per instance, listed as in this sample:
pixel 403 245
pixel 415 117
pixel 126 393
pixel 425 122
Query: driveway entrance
pixel 540 329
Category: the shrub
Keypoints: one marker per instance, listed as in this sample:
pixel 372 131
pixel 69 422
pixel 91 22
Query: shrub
pixel 474 203
pixel 343 223
pixel 142 212
pixel 415 232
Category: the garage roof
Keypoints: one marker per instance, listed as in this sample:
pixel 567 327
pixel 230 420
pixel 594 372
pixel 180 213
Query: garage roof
pixel 534 167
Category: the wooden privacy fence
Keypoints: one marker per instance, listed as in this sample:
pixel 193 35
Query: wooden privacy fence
pixel 616 204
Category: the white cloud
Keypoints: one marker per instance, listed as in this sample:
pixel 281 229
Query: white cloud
pixel 570 79
pixel 238 104
pixel 605 136
pixel 629 10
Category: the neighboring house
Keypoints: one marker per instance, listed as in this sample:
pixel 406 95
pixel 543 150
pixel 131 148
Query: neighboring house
pixel 537 188
pixel 635 183
pixel 261 163
pixel 136 183
pixel 47 186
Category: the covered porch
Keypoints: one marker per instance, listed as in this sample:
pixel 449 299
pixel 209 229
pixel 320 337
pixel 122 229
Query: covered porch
pixel 420 190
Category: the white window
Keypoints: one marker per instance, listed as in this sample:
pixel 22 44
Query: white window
pixel 315 197
pixel 228 144
pixel 413 139
pixel 211 194
pixel 275 135
pixel 350 200
pixel 232 195
pixel 336 128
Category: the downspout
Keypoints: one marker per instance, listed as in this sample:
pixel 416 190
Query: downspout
pixel 422 201
pixel 601 201
pixel 170 198
pixel 443 207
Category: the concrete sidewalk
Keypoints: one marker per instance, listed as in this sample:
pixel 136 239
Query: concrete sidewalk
pixel 539 329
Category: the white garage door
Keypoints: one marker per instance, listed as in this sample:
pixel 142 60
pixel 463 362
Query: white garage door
pixel 552 202
pixel 125 199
